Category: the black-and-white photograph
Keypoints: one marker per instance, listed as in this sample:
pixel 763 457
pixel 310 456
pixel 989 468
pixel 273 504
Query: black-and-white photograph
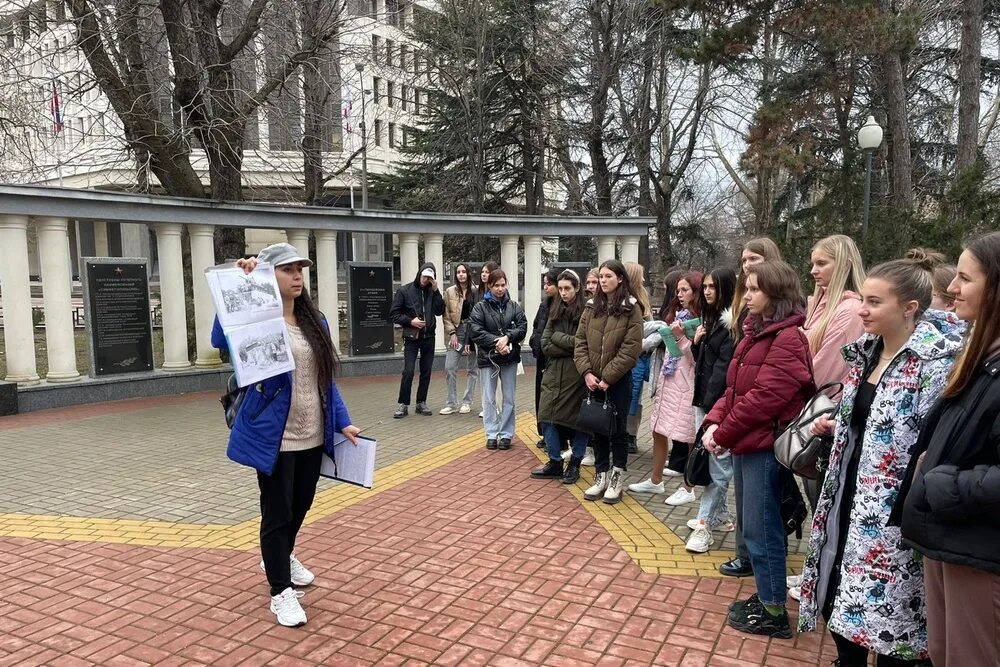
pixel 260 351
pixel 242 298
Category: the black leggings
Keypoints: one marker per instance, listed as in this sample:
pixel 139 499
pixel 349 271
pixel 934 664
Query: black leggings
pixel 850 654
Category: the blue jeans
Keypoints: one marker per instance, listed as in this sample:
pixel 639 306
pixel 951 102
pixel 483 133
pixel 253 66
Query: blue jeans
pixel 453 362
pixel 502 425
pixel 758 511
pixel 553 442
pixel 714 508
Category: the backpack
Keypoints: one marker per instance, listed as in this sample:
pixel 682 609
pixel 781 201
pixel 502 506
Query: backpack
pixel 793 506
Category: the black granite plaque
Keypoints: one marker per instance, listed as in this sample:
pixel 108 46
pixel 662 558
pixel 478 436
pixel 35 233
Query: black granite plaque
pixel 118 318
pixel 369 297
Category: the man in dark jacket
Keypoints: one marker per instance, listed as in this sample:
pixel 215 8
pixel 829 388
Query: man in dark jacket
pixel 414 308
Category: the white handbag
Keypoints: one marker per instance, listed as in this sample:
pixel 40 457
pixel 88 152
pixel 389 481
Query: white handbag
pixel 797 448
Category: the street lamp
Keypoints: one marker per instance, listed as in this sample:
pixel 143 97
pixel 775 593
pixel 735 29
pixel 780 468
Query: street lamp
pixel 364 139
pixel 869 138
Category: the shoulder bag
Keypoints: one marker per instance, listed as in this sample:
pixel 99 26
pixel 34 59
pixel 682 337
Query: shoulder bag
pixel 232 400
pixel 797 448
pixel 596 417
pixel 696 471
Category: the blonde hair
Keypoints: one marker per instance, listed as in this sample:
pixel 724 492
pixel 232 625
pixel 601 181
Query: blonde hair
pixel 767 249
pixel 636 274
pixel 848 275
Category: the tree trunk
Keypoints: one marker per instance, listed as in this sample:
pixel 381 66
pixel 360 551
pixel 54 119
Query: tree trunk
pixel 898 131
pixel 970 57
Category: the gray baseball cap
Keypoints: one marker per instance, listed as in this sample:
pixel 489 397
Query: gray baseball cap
pixel 282 253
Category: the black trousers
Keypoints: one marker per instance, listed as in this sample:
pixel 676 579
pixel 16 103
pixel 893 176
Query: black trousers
pixel 850 654
pixel 424 347
pixel 285 498
pixel 613 451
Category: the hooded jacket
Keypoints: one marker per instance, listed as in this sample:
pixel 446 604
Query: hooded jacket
pixel 412 301
pixel 608 345
pixel 714 354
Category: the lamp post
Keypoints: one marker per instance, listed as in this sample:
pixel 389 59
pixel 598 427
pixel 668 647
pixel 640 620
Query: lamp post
pixel 869 138
pixel 364 139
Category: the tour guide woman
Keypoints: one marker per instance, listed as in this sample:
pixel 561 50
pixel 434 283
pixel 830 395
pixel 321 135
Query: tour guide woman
pixel 283 427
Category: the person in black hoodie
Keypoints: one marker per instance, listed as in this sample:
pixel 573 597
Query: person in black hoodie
pixel 498 326
pixel 414 308
pixel 948 506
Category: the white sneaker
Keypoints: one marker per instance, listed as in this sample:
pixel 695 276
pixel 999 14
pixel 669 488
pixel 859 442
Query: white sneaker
pixel 667 472
pixel 300 575
pixel 646 486
pixel 613 494
pixel 287 608
pixel 701 539
pixel 567 454
pixel 725 526
pixel 599 487
pixel 465 409
pixel 588 458
pixel 793 581
pixel 795 593
pixel 680 497
pixel 447 410
pixel 480 414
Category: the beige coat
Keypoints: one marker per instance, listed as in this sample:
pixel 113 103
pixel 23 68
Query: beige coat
pixel 453 309
pixel 607 346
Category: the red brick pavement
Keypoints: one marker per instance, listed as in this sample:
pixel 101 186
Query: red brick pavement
pixel 471 564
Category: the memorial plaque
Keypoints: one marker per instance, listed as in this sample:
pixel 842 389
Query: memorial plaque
pixel 119 327
pixel 369 298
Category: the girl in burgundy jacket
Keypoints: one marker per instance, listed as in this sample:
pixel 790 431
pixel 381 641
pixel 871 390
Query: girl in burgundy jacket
pixel 767 384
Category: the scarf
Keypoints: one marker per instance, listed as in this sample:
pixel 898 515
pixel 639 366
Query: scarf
pixel 670 363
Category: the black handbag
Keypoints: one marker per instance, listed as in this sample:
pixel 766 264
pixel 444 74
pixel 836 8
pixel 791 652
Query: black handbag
pixel 596 417
pixel 696 471
pixel 232 400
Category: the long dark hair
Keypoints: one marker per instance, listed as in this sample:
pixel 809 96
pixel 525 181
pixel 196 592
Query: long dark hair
pixel 986 251
pixel 669 292
pixel 470 286
pixel 617 304
pixel 569 311
pixel 724 280
pixel 693 279
pixel 483 287
pixel 310 320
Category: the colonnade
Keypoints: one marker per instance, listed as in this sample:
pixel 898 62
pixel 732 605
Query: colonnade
pixel 56 268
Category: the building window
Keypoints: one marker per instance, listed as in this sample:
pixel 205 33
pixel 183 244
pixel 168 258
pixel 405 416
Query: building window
pixel 378 132
pixel 390 93
pixel 373 10
pixel 404 93
pixel 392 135
pixel 376 89
pixel 390 52
pixel 376 49
pixel 392 12
pixel 404 57
pixel 406 136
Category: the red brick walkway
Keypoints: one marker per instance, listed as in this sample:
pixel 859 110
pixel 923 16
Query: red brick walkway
pixel 470 564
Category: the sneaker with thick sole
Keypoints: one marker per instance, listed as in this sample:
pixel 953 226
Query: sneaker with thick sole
pixel 491 443
pixel 422 409
pixel 724 527
pixel 736 567
pixel 287 608
pixel 588 458
pixel 401 411
pixel 667 472
pixel 680 497
pixel 613 494
pixel 600 486
pixel 701 540
pixel 739 604
pixel 646 486
pixel 504 443
pixel 795 592
pixel 793 581
pixel 551 470
pixel 753 619
pixel 465 409
pixel 448 410
pixel 301 576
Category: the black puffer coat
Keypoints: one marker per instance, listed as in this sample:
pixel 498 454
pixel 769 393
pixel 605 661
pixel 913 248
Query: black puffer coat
pixel 492 319
pixel 714 354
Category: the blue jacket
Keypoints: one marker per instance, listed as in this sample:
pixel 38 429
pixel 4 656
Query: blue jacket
pixel 255 439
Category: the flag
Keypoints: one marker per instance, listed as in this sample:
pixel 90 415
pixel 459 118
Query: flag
pixel 55 106
pixel 348 103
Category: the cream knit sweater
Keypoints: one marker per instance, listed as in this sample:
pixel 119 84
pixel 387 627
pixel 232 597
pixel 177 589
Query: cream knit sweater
pixel 304 428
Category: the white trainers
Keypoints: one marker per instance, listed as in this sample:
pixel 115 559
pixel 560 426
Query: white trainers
pixel 795 593
pixel 667 472
pixel 300 575
pixel 567 454
pixel 480 414
pixel 613 494
pixel 701 539
pixel 680 497
pixel 646 486
pixel 793 581
pixel 287 608
pixel 465 409
pixel 599 487
pixel 447 410
pixel 725 526
pixel 588 458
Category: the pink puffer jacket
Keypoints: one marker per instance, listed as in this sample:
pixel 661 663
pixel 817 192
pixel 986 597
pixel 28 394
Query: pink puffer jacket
pixel 672 412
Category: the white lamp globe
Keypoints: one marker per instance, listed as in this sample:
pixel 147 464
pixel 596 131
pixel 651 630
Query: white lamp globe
pixel 870 135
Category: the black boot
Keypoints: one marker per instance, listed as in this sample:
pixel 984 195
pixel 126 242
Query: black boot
pixel 572 473
pixel 633 446
pixel 551 470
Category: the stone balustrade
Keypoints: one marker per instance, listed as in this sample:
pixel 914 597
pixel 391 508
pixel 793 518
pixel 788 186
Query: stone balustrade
pixel 52 210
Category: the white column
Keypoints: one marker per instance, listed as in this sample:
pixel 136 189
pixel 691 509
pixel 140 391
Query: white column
pixel 300 239
pixel 168 248
pixel 409 257
pixel 532 275
pixel 53 255
pixel 630 249
pixel 605 248
pixel 15 296
pixel 326 280
pixel 202 257
pixel 434 253
pixel 101 239
pixel 509 264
